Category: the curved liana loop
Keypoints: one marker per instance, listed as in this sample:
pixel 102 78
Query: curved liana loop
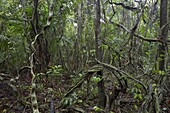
pixel 34 102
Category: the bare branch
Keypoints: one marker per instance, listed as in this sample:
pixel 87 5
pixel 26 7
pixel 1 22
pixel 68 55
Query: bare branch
pixel 157 39
pixel 125 6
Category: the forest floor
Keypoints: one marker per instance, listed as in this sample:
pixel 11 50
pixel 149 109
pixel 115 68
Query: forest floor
pixel 15 96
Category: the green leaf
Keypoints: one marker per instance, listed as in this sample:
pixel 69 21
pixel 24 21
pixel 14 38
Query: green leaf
pixel 153 85
pixel 96 108
pixel 140 96
pixel 135 106
pixel 162 72
pixel 96 79
pixel 138 85
pixel 147 53
pixel 135 95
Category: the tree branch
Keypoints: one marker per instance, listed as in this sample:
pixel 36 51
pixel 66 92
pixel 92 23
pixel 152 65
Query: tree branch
pixel 125 6
pixel 158 39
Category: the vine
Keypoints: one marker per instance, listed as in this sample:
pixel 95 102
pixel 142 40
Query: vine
pixel 34 102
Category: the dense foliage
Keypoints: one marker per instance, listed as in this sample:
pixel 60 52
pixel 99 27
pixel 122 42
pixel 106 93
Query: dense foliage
pixel 60 47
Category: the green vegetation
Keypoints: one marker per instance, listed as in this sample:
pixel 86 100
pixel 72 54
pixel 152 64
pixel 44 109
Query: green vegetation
pixel 84 56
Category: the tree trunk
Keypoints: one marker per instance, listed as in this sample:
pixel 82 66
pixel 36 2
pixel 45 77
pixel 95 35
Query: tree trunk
pixel 78 42
pixel 42 57
pixel 163 34
pixel 99 54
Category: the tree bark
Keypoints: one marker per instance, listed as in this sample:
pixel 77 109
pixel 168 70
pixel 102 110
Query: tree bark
pixel 78 42
pixel 99 54
pixel 42 57
pixel 163 34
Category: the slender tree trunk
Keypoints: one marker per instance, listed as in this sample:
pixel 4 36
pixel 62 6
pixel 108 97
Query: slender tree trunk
pixel 169 12
pixel 163 34
pixel 99 54
pixel 42 57
pixel 163 46
pixel 79 42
